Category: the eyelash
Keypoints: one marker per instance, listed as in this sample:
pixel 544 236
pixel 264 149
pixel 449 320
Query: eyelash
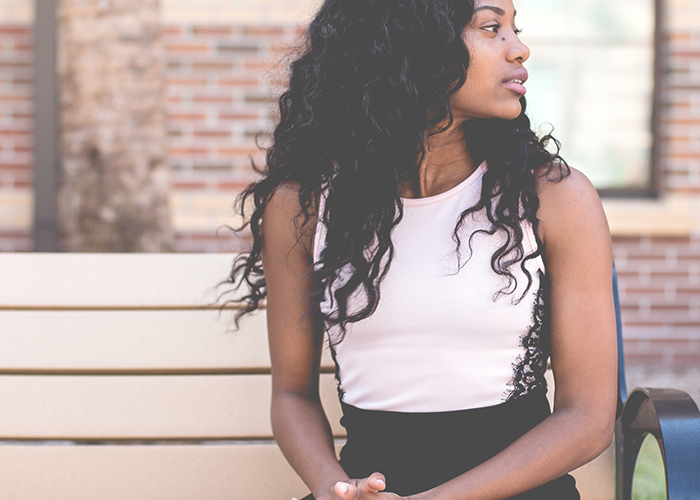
pixel 497 27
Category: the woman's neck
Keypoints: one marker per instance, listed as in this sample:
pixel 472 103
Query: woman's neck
pixel 447 162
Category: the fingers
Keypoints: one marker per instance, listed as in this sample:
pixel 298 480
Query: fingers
pixel 347 491
pixel 371 485
pixel 375 482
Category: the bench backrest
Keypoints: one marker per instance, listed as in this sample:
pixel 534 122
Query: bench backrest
pixel 120 378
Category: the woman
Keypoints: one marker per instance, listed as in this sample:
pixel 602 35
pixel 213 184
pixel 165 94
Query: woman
pixel 408 209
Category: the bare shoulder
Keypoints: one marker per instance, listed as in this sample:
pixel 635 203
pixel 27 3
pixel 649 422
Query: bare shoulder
pixel 566 192
pixel 569 206
pixel 284 222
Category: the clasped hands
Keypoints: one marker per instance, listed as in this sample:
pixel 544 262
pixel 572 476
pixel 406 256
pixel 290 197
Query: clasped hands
pixel 369 488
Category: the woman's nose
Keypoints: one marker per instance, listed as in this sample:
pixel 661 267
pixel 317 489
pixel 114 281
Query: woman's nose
pixel 518 50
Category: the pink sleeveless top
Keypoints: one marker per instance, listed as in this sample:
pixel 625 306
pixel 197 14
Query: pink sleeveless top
pixel 442 338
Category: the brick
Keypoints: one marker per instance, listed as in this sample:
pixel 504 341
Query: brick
pixel 214 31
pixel 220 99
pixel 194 48
pixel 213 168
pixel 19 81
pixel 239 82
pixel 239 48
pixel 678 37
pixel 238 151
pixel 15 131
pixel 260 99
pixel 186 117
pixel 6 29
pixel 179 184
pixel 175 65
pixel 23 98
pixel 212 133
pixel 172 30
pixel 264 31
pixel 23 47
pixel 14 65
pixel 180 151
pixel 6 165
pixel 238 116
pixel 186 81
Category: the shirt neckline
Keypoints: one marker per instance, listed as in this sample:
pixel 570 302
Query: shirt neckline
pixel 454 191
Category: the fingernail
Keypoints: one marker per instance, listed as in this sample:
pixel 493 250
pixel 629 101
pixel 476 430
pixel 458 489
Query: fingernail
pixel 342 487
pixel 381 482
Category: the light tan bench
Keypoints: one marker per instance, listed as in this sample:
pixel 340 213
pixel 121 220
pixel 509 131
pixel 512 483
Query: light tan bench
pixel 121 379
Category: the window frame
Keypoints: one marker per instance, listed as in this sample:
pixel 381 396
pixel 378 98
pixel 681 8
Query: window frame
pixel 653 189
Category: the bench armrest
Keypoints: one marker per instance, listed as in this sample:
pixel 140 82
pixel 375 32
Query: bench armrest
pixel 672 417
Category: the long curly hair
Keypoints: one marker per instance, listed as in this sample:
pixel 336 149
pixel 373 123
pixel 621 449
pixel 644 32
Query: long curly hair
pixel 372 83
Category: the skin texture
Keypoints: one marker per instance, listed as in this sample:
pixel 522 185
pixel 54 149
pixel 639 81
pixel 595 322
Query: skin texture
pixel 579 265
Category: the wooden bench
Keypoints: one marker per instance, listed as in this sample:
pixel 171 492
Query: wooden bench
pixel 120 378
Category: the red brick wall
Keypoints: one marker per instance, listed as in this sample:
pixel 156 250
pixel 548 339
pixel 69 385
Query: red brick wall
pixel 659 283
pixel 220 83
pixel 15 126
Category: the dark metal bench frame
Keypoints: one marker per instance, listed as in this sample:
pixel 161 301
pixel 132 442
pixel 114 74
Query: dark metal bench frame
pixel 671 416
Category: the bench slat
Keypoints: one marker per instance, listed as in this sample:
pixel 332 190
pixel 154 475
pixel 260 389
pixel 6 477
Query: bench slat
pixel 143 407
pixel 227 472
pixel 111 280
pixel 186 472
pixel 133 341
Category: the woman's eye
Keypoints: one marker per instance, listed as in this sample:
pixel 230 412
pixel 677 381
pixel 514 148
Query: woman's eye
pixel 493 28
pixel 517 31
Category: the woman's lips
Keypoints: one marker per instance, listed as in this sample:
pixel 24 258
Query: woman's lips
pixel 516 81
pixel 516 87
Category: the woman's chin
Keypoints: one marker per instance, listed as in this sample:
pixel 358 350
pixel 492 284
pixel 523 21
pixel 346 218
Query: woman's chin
pixel 510 115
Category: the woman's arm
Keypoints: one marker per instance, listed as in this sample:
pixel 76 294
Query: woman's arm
pixel 584 353
pixel 298 421
pixel 296 340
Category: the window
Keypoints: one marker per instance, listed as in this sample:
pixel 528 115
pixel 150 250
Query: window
pixel 592 78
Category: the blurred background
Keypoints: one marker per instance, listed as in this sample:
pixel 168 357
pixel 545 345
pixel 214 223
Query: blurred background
pixel 130 125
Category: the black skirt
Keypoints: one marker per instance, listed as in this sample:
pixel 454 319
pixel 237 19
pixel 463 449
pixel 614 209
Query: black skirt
pixel 419 451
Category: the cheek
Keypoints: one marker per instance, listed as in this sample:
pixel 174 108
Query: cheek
pixel 480 73
pixel 478 87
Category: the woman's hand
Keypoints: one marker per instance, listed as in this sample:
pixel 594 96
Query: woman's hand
pixel 360 489
pixel 369 488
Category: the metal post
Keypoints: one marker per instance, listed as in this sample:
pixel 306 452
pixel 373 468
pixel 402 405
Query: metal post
pixel 46 134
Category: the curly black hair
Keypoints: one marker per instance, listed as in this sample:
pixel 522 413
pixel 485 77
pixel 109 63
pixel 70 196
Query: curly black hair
pixel 372 83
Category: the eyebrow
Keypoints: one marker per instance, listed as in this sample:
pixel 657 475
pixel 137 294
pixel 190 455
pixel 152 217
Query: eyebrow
pixel 497 10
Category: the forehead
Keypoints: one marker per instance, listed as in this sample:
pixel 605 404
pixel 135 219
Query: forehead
pixel 498 6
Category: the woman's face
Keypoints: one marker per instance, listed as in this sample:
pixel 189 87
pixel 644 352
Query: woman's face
pixel 496 74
